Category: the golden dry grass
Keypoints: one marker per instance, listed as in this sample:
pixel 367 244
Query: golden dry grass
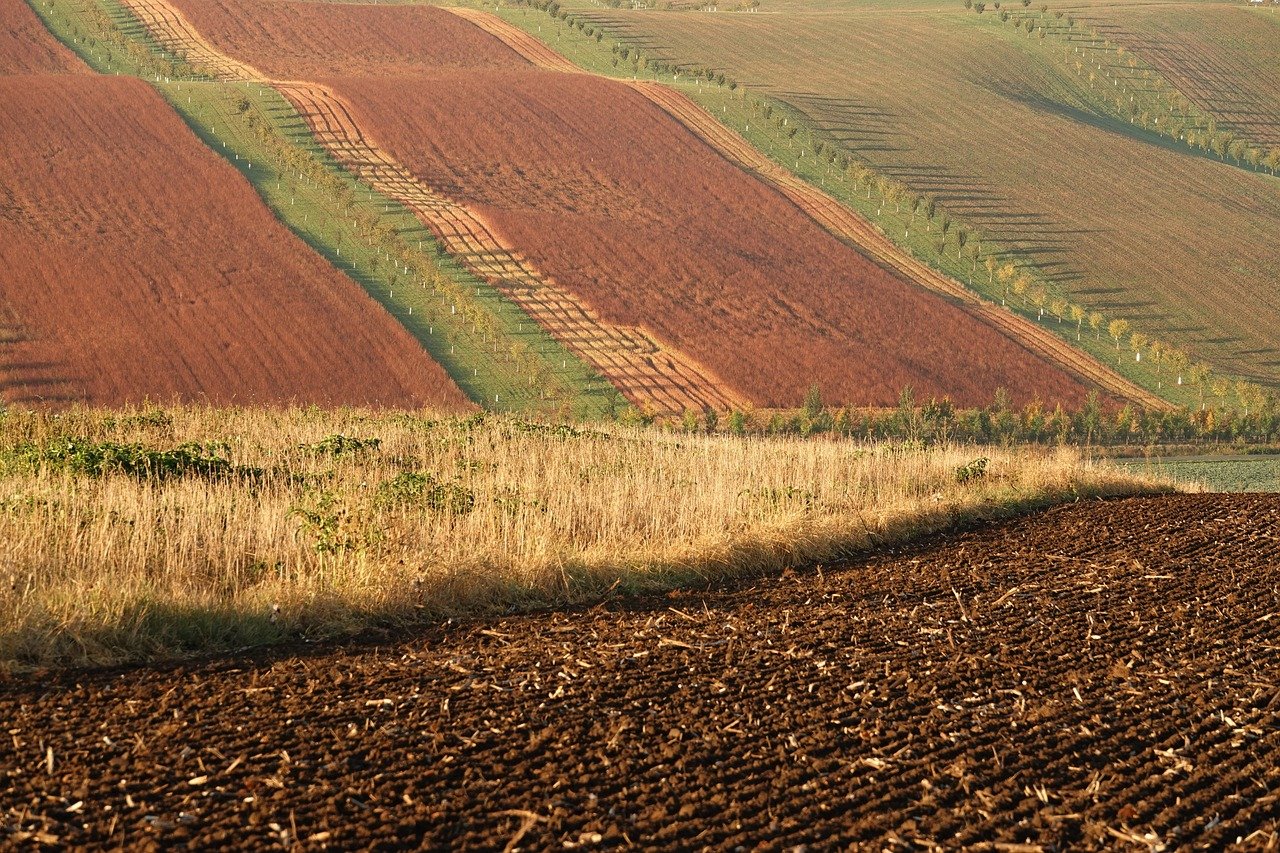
pixel 444 516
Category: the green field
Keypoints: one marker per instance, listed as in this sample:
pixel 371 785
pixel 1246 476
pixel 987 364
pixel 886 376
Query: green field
pixel 1215 473
pixel 230 118
pixel 998 128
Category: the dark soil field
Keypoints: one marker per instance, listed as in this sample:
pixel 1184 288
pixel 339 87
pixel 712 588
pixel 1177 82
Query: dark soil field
pixel 26 47
pixel 140 265
pixel 1099 675
pixel 610 197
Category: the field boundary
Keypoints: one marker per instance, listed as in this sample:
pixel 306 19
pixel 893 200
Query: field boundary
pixel 837 219
pixel 647 372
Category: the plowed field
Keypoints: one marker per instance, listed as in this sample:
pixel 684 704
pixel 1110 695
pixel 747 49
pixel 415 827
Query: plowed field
pixel 138 265
pixel 619 204
pixel 26 47
pixel 1100 675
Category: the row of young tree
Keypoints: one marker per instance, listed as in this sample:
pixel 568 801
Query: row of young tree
pixel 1093 423
pixel 1140 93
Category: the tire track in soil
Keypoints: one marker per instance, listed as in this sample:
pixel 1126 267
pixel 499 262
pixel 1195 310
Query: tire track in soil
pixel 647 372
pixel 844 223
pixel 1096 674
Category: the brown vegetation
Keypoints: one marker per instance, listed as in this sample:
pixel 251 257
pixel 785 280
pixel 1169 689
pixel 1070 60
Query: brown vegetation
pixel 141 265
pixel 26 47
pixel 350 518
pixel 622 206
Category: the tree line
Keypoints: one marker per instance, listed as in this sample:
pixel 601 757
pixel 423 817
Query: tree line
pixel 939 420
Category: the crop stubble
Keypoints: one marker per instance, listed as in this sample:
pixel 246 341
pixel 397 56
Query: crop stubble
pixel 139 265
pixel 632 214
pixel 1100 672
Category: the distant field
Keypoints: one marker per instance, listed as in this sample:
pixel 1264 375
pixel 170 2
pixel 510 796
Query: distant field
pixel 1225 58
pixel 960 106
pixel 1217 474
pixel 695 251
pixel 139 265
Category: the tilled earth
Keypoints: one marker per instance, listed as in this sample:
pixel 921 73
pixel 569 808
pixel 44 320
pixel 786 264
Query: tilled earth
pixel 1103 674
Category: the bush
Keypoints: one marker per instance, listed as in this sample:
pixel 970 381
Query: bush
pixel 136 460
pixel 973 471
pixel 410 488
pixel 341 445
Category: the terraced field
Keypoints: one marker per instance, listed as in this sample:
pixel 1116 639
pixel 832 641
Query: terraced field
pixel 758 319
pixel 959 106
pixel 1224 58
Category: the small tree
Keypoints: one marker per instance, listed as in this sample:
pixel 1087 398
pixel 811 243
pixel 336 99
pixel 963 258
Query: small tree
pixel 813 405
pixel 1199 374
pixel 1137 343
pixel 1021 285
pixel 1077 314
pixel 1118 329
pixel 1005 274
pixel 1095 323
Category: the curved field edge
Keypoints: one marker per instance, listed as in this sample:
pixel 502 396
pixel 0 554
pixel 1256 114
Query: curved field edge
pixel 488 345
pixel 744 113
pixel 169 532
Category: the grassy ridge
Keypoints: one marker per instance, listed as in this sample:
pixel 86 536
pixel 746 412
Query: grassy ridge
pixel 153 533
pixel 422 299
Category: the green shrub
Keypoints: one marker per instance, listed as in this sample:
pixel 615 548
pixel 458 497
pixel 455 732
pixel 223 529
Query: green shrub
pixel 410 488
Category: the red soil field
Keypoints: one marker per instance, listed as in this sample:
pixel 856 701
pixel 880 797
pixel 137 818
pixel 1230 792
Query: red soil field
pixel 619 203
pixel 140 265
pixel 26 47
pixel 308 41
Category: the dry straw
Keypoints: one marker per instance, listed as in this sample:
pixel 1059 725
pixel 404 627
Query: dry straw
pixel 443 516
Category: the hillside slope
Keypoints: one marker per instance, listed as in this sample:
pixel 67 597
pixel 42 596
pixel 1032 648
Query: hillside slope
pixel 626 208
pixel 963 108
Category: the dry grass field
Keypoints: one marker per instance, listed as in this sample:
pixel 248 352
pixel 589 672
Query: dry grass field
pixel 1224 58
pixel 140 533
pixel 962 107
pixel 699 254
